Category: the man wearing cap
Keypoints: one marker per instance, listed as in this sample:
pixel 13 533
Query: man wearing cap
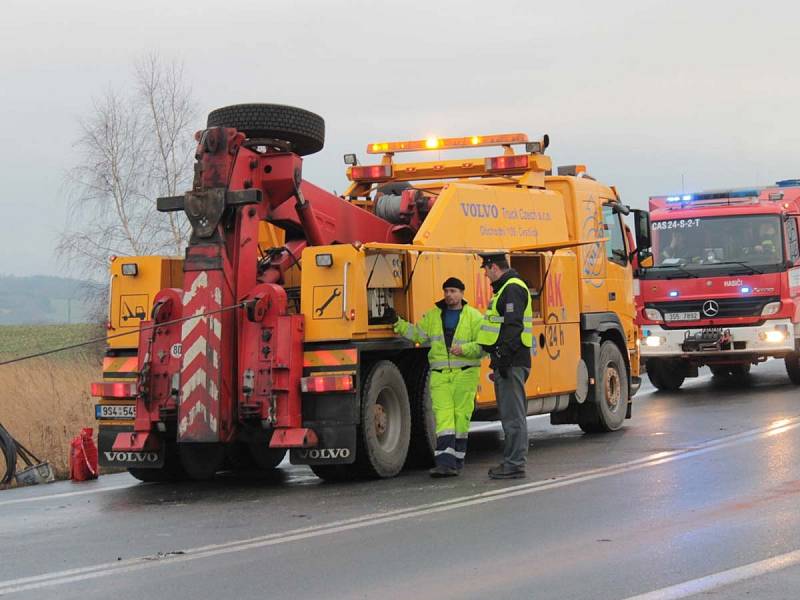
pixel 507 335
pixel 451 328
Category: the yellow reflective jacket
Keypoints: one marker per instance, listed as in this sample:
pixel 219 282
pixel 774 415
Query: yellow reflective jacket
pixel 430 330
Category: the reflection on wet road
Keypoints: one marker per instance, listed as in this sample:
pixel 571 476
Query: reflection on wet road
pixel 696 495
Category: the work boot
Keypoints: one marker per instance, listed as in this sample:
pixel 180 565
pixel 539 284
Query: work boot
pixel 442 471
pixel 503 471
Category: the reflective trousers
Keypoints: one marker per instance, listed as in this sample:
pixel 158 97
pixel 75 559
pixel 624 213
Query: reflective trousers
pixel 453 399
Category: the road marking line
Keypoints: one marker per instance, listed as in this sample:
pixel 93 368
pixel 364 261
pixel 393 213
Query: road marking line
pixel 723 578
pixel 134 564
pixel 133 484
pixel 66 494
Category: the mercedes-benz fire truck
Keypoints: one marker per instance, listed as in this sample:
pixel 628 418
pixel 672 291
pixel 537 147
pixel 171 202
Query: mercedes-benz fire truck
pixel 723 289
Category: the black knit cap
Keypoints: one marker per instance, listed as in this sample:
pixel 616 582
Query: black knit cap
pixel 453 282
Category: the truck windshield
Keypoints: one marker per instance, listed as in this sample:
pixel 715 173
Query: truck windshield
pixel 731 243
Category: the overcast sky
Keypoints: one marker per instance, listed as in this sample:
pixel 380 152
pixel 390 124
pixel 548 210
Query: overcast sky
pixel 646 93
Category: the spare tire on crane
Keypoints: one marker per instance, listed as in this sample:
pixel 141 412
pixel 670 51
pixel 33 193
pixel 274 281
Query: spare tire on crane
pixel 304 130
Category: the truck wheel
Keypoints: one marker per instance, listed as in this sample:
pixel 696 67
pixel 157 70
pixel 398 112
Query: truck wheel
pixel 334 473
pixel 423 423
pixel 171 471
pixel 666 375
pixel 266 458
pixel 385 429
pixel 303 129
pixel 792 362
pixel 201 461
pixel 608 411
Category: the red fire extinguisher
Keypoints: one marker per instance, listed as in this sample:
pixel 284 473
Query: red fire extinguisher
pixel 83 456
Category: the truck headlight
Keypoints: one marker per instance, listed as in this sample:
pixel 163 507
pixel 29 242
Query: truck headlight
pixel 653 341
pixel 776 336
pixel 653 314
pixel 770 309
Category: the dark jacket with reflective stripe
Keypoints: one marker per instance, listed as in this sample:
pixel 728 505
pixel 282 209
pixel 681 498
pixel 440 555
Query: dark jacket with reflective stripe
pixel 509 350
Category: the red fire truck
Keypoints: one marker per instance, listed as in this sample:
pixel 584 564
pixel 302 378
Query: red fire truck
pixel 724 287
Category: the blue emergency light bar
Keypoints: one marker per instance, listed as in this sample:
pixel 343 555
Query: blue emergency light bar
pixel 715 195
pixel 788 183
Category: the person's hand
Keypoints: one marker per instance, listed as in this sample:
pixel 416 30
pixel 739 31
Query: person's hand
pixel 390 315
pixel 501 364
pixel 457 350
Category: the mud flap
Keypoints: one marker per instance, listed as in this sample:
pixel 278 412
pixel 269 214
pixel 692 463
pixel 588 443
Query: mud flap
pixel 337 446
pixel 108 457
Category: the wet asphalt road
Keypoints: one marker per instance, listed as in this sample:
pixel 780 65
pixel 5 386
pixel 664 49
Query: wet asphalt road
pixel 698 494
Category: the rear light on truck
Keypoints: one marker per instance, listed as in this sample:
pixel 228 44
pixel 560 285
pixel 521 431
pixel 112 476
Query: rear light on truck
pixel 770 309
pixel 318 384
pixel 653 314
pixel 114 390
pixel 500 164
pixel 371 173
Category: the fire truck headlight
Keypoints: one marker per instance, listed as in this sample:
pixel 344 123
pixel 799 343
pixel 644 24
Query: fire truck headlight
pixel 653 314
pixel 771 309
pixel 653 341
pixel 776 336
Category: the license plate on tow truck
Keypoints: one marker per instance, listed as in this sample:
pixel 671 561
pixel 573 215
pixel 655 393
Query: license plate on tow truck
pixel 115 411
pixel 682 316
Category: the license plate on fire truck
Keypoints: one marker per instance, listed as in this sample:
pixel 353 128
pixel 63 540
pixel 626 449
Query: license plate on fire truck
pixel 115 411
pixel 682 316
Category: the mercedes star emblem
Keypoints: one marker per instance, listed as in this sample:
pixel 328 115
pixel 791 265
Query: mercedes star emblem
pixel 710 308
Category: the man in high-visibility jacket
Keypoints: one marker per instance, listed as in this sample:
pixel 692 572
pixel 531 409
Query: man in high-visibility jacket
pixel 451 328
pixel 507 335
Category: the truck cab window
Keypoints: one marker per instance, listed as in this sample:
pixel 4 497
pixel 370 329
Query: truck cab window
pixel 615 246
pixel 791 239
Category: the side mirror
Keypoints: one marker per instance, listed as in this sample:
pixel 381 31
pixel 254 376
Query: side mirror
pixel 646 260
pixel 621 208
pixel 641 228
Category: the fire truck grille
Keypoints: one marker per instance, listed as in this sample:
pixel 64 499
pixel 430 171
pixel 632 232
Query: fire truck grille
pixel 728 307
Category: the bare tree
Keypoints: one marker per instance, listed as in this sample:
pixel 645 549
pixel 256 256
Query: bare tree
pixel 171 114
pixel 132 148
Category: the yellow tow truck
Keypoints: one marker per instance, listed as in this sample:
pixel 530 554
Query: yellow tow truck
pixel 311 365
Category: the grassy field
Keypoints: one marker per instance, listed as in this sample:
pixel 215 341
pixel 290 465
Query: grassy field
pixel 19 340
pixel 45 401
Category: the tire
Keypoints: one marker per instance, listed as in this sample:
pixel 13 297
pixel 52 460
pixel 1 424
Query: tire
pixel 423 422
pixel 607 412
pixel 303 129
pixel 8 450
pixel 792 362
pixel 666 375
pixel 171 471
pixel 385 431
pixel 202 461
pixel 266 458
pixel 335 473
